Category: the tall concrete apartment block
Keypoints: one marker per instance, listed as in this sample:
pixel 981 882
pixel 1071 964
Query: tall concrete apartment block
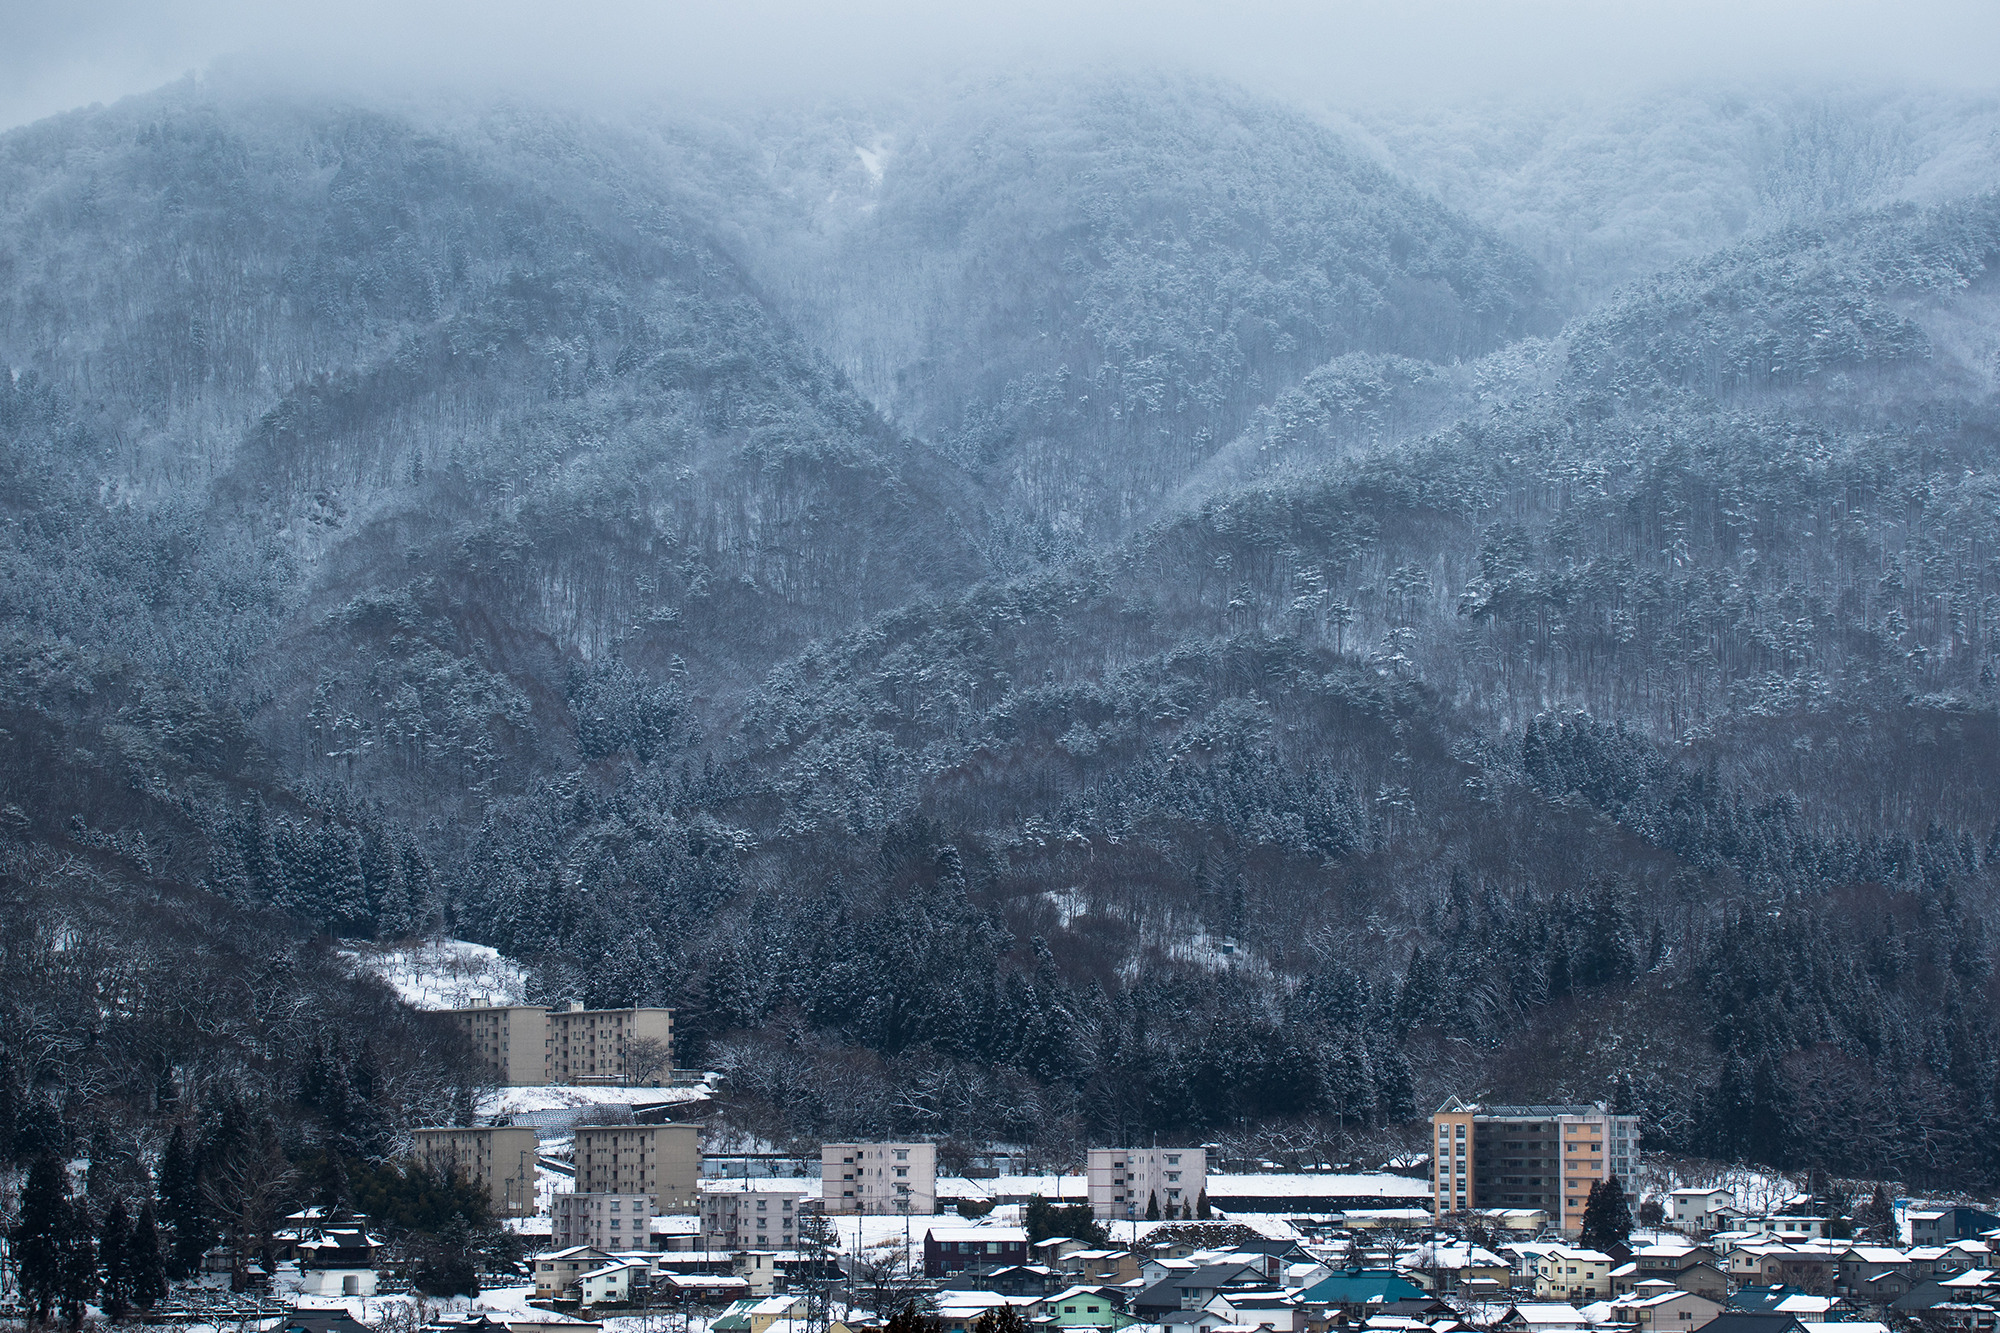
pixel 500 1161
pixel 510 1039
pixel 878 1178
pixel 1123 1182
pixel 751 1214
pixel 611 1222
pixel 662 1162
pixel 526 1045
pixel 1543 1157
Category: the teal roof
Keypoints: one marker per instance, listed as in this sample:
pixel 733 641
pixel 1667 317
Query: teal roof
pixel 1358 1286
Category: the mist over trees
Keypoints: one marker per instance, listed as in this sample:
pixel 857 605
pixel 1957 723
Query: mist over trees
pixel 1071 610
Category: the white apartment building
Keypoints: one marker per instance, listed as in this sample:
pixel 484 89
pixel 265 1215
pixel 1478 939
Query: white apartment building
pixel 761 1214
pixel 609 1222
pixel 1122 1182
pixel 878 1178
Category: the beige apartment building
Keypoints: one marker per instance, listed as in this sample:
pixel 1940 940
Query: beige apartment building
pixel 511 1040
pixel 1544 1157
pixel 878 1178
pixel 527 1045
pixel 751 1214
pixel 662 1162
pixel 500 1161
pixel 1123 1182
pixel 607 1221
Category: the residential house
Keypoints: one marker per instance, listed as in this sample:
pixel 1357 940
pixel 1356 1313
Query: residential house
pixel 1260 1308
pixel 878 1178
pixel 1942 1226
pixel 958 1311
pixel 1700 1208
pixel 1355 1289
pixel 1088 1307
pixel 1055 1249
pixel 1119 1266
pixel 557 1271
pixel 950 1249
pixel 1191 1321
pixel 1540 1317
pixel 1441 1267
pixel 613 1283
pixel 1747 1321
pixel 1009 1280
pixel 675 1233
pixel 759 1314
pixel 1791 1227
pixel 1573 1274
pixel 1660 1307
pixel 1194 1289
pixel 497 1160
pixel 682 1289
pixel 759 1271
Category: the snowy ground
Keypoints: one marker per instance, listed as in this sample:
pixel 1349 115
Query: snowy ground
pixel 444 974
pixel 527 1101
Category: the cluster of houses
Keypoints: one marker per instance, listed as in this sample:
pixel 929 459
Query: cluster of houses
pixel 1485 1238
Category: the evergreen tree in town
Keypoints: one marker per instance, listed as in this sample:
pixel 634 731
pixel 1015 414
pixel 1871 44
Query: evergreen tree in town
pixel 181 1207
pixel 1153 1206
pixel 114 1261
pixel 1201 1210
pixel 39 1237
pixel 909 1319
pixel 77 1265
pixel 1607 1221
pixel 147 1264
pixel 1003 1319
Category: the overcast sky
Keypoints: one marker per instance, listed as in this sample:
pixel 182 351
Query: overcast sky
pixel 58 54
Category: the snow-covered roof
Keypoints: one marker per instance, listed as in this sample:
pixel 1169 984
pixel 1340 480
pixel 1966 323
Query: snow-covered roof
pixel 804 1185
pixel 1305 1184
pixel 1049 1187
pixel 615 1267
pixel 1016 1235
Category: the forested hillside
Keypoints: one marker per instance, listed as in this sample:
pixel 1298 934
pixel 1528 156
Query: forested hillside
pixel 1044 611
pixel 1082 291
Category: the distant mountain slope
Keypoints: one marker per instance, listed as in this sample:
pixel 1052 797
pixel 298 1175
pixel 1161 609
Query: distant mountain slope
pixel 459 408
pixel 1604 189
pixel 1083 289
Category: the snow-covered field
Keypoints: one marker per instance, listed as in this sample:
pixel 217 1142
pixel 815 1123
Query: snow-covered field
pixel 526 1101
pixel 444 974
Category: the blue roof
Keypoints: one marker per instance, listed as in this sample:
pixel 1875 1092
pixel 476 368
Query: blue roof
pixel 1358 1286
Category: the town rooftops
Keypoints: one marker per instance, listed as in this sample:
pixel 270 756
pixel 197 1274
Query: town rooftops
pixel 1004 1235
pixel 1752 1321
pixel 1361 1286
pixel 1459 1106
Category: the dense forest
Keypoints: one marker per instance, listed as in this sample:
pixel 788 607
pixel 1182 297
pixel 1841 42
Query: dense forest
pixel 1048 611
